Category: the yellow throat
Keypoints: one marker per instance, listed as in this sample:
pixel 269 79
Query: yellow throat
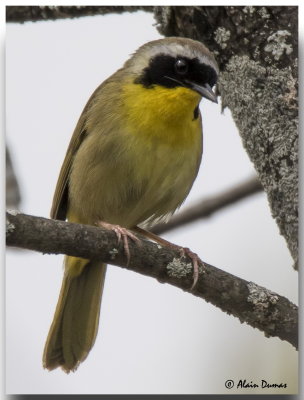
pixel 162 113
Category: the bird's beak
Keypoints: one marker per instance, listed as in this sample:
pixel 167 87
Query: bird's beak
pixel 204 90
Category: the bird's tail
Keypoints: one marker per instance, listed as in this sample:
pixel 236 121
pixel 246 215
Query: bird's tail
pixel 75 324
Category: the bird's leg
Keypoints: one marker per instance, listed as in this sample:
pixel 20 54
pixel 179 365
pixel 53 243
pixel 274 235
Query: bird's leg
pixel 120 233
pixel 183 251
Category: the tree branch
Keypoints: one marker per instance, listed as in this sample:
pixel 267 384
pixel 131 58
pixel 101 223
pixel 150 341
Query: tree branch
pixel 43 13
pixel 205 207
pixel 259 307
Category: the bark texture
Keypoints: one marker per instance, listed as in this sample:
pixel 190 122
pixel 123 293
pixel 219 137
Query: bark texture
pixel 257 306
pixel 257 50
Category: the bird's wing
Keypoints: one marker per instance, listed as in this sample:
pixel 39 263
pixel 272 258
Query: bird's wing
pixel 60 199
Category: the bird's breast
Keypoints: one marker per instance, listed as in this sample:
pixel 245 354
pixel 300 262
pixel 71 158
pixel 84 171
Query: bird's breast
pixel 143 167
pixel 164 135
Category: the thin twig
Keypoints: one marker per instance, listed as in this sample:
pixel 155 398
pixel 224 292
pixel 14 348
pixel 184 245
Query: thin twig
pixel 205 207
pixel 13 196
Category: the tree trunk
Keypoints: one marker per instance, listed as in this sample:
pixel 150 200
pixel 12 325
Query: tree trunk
pixel 256 48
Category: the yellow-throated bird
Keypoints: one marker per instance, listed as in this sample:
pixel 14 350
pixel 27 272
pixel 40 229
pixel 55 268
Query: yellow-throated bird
pixel 132 159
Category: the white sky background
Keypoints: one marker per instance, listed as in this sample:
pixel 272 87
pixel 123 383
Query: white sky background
pixel 153 338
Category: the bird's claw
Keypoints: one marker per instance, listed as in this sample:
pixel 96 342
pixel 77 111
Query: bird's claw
pixel 121 233
pixel 185 251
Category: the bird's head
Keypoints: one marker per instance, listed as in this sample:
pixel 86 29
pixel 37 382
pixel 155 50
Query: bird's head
pixel 175 62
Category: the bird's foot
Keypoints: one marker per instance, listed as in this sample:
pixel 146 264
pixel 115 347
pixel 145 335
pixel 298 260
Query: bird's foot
pixel 121 233
pixel 195 263
pixel 184 251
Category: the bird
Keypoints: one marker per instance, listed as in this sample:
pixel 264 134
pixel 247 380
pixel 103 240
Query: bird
pixel 131 161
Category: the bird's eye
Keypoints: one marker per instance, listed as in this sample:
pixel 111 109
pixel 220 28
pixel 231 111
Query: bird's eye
pixel 181 66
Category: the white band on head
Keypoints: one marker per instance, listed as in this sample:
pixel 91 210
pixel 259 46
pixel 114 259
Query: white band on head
pixel 172 47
